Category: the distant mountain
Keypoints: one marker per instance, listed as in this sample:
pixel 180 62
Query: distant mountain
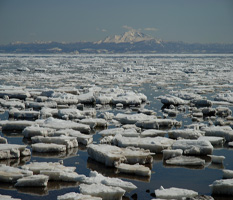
pixel 131 36
pixel 129 42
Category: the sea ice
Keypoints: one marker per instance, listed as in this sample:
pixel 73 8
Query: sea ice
pixel 158 123
pixel 169 153
pixel 193 147
pixel 152 133
pixel 103 191
pixel 227 174
pixel 87 98
pixel 217 159
pixel 220 131
pixel 213 140
pixel 7 197
pixel 136 169
pixel 174 193
pixel 18 94
pixel 16 125
pixel 93 123
pixel 33 181
pixel 222 187
pixel 172 100
pixel 185 161
pixel 69 142
pixel 154 144
pixel 95 177
pixel 64 124
pixel 36 130
pixel 202 103
pixel 12 104
pixel 29 114
pixel 77 196
pixel 223 111
pixel 185 133
pixel 47 148
pixel 11 174
pixel 81 138
pixel 13 151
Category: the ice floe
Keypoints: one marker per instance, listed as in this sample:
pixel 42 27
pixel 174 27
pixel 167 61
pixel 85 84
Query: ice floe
pixel 174 193
pixel 77 196
pixel 33 181
pixel 224 187
pixel 103 191
pixel 13 151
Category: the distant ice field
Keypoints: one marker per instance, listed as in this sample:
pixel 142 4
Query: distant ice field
pixel 160 77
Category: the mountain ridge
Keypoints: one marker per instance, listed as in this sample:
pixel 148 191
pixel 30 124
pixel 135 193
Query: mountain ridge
pixel 131 41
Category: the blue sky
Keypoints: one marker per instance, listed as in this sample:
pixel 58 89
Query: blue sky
pixel 202 21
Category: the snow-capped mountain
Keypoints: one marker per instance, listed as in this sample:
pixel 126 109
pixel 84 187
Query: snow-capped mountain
pixel 127 37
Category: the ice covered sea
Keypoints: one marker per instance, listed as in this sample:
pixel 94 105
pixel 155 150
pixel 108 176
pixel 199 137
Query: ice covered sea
pixel 210 76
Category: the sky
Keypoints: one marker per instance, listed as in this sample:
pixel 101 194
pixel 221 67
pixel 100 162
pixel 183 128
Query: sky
pixel 192 21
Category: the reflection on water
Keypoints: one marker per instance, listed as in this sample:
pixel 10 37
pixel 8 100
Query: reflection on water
pixel 16 162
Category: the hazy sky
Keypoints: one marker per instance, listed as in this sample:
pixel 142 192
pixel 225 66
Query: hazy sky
pixel 203 21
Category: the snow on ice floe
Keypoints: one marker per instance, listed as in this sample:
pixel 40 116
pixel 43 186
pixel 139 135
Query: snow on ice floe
pixel 23 114
pixel 154 144
pixel 170 153
pixel 185 133
pixel 48 148
pixel 227 174
pixel 81 138
pixel 16 125
pixel 103 191
pixel 7 197
pixel 135 169
pixel 215 141
pixel 33 181
pixel 217 159
pixel 111 155
pixel 131 132
pixel 63 124
pixel 219 131
pixel 174 193
pixel 193 147
pixel 152 133
pixel 12 104
pixel 95 177
pixel 222 187
pixel 17 93
pixel 185 161
pixel 172 100
pixel 69 142
pixel 77 196
pixel 13 151
pixel 36 130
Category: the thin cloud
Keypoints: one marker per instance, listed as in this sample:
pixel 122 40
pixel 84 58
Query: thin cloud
pixel 127 27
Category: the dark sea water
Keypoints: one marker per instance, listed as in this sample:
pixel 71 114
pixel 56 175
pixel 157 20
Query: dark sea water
pixel 194 178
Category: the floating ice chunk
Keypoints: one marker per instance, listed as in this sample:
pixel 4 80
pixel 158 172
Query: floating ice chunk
pixel 36 167
pixel 152 133
pixel 185 161
pixel 3 140
pixel 103 191
pixel 94 122
pixel 81 138
pixel 11 174
pixel 15 113
pixel 112 131
pixel 174 193
pixel 35 130
pixel 77 196
pixel 87 98
pixel 201 103
pixel 69 142
pixel 47 148
pixel 169 153
pixel 129 98
pixel 172 100
pixel 16 125
pixel 209 111
pixel 223 111
pixel 13 151
pixel 111 155
pixel 137 169
pixel 104 99
pixel 64 124
pixel 223 187
pixel 48 112
pixel 39 105
pixel 227 174
pixel 71 114
pixel 220 131
pixel 12 104
pixel 33 181
pixel 7 197
pixel 158 123
pixel 95 177
pixel 228 96
pixel 213 140
pixel 106 115
pixel 185 133
pixel 18 94
pixel 193 147
pixel 187 95
pixel 133 118
pixel 156 144
pixel 217 159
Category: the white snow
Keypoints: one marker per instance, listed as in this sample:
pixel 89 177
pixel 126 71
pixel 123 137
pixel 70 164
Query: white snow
pixel 185 133
pixel 227 174
pixel 33 181
pixel 222 187
pixel 217 159
pixel 169 153
pixel 48 148
pixel 103 191
pixel 136 169
pixel 77 196
pixel 185 161
pixel 174 193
